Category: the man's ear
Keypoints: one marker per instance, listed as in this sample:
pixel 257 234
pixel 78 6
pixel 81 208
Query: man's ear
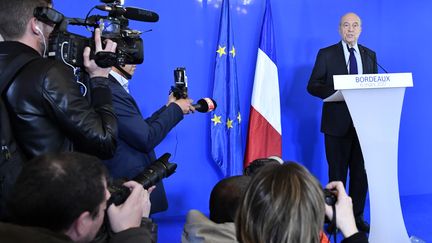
pixel 80 227
pixel 35 26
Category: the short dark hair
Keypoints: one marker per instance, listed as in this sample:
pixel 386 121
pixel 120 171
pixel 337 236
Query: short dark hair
pixel 257 164
pixel 225 198
pixel 15 14
pixel 54 189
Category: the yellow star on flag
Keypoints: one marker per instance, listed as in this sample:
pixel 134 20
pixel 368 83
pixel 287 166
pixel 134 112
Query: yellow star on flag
pixel 221 50
pixel 233 51
pixel 229 123
pixel 239 117
pixel 216 119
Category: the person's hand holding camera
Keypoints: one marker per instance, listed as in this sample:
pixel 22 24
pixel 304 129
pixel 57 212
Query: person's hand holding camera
pixel 91 67
pixel 129 214
pixel 344 209
pixel 185 105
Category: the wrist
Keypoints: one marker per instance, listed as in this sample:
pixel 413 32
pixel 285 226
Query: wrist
pixel 348 229
pixel 116 228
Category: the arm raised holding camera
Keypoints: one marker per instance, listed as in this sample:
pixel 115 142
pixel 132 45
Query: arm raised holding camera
pixel 185 104
pixel 344 214
pixel 91 67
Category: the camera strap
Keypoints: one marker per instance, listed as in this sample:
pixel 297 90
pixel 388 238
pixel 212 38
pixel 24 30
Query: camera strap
pixel 332 227
pixel 333 222
pixel 125 74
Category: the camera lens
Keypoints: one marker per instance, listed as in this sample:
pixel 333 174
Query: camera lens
pixel 160 169
pixel 329 197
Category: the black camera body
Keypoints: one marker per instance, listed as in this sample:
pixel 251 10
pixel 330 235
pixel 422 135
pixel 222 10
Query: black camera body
pixel 159 169
pixel 180 89
pixel 329 197
pixel 68 47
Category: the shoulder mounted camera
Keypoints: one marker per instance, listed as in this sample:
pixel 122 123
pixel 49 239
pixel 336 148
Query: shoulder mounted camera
pixel 68 47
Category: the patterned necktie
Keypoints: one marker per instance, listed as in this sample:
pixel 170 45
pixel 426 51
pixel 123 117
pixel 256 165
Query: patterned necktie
pixel 352 62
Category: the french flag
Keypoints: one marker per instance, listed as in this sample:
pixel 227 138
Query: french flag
pixel 265 131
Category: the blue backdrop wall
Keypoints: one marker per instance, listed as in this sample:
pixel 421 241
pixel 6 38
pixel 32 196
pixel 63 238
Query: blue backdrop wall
pixel 186 35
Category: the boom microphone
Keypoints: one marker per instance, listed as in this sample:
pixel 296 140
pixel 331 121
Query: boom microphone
pixel 205 105
pixel 373 60
pixel 131 13
pixel 141 14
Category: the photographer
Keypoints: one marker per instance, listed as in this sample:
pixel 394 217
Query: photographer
pixel 345 220
pixel 47 110
pixel 285 203
pixel 225 199
pixel 138 136
pixel 66 202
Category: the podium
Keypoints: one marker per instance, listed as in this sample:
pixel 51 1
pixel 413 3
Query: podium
pixel 375 104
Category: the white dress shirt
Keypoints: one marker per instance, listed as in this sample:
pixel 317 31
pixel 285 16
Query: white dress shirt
pixel 122 80
pixel 356 54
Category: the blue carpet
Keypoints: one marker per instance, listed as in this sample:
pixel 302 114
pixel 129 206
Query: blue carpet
pixel 417 212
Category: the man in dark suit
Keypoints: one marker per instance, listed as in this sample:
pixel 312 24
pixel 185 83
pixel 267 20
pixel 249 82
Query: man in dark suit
pixel 137 137
pixel 342 146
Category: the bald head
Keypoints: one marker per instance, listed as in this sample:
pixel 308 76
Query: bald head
pixel 350 28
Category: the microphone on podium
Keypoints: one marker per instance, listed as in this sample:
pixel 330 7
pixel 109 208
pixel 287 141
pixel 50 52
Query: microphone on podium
pixel 205 105
pixel 362 50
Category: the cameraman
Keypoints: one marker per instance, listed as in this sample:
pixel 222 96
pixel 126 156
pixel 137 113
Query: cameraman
pixel 66 201
pixel 47 110
pixel 138 136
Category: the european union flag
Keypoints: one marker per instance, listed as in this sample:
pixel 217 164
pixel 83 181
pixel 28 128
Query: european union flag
pixel 225 132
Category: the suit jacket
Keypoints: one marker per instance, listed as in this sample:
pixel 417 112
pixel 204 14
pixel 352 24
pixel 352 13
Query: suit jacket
pixel 335 119
pixel 137 138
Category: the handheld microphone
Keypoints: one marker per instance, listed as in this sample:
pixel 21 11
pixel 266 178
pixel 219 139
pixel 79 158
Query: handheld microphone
pixel 205 105
pixel 374 60
pixel 131 13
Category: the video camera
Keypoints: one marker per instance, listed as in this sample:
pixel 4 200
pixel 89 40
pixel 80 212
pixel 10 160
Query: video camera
pixel 180 90
pixel 69 47
pixel 158 170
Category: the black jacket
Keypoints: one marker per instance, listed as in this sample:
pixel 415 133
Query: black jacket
pixel 48 112
pixel 10 233
pixel 335 120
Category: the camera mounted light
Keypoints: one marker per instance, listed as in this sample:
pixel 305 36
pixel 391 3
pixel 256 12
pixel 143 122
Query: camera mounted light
pixel 120 2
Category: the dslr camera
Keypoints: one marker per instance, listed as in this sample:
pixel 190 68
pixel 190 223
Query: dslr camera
pixel 329 197
pixel 68 47
pixel 159 169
